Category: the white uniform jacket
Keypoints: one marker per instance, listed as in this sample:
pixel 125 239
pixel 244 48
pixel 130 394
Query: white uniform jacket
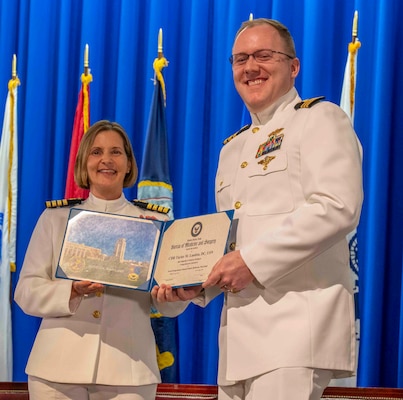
pixel 106 338
pixel 294 179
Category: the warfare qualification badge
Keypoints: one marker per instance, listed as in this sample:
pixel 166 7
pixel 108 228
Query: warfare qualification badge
pixel 265 162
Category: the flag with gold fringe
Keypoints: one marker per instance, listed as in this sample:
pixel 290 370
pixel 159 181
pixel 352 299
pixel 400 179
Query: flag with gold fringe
pixel 155 186
pixel 347 103
pixel 80 126
pixel 154 182
pixel 347 100
pixel 8 223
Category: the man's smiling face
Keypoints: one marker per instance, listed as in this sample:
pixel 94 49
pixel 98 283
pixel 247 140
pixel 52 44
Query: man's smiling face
pixel 261 84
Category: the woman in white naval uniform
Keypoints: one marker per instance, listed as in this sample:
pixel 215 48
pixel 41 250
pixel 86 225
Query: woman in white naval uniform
pixel 94 342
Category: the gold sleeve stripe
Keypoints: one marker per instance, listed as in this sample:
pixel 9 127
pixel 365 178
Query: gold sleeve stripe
pixel 151 206
pixel 62 203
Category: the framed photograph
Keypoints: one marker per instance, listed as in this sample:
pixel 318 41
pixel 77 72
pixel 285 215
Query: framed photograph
pixel 138 253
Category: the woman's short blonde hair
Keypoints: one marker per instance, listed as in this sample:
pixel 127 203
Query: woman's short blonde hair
pixel 80 166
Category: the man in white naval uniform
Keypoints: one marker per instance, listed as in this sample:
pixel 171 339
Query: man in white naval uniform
pixel 294 178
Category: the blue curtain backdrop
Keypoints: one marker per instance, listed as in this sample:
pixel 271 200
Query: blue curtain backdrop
pixel 203 108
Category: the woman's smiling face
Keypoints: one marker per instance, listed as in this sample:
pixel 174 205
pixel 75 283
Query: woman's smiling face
pixel 107 165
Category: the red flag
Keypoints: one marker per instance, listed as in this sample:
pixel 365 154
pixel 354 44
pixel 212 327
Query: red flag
pixel 81 124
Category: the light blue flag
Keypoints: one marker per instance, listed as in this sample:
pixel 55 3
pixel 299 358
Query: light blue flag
pixel 347 103
pixel 8 221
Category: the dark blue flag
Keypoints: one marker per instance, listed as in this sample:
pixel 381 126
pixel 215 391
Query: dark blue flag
pixel 154 182
pixel 155 187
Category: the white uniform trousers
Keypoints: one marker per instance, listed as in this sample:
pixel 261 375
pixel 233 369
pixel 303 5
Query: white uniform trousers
pixel 280 384
pixel 40 389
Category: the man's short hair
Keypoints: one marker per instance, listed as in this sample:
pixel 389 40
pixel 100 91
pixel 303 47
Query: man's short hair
pixel 278 26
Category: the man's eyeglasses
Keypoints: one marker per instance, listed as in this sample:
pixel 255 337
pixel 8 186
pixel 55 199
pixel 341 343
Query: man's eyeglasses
pixel 260 56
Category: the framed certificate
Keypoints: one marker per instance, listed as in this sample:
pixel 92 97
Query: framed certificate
pixel 138 253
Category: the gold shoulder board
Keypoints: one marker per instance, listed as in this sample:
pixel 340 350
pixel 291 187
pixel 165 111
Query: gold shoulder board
pixel 151 206
pixel 228 139
pixel 308 103
pixel 62 203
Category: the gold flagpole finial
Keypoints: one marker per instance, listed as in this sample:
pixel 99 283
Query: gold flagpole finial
pixel 14 67
pixel 160 52
pixel 250 17
pixel 355 26
pixel 159 63
pixel 86 62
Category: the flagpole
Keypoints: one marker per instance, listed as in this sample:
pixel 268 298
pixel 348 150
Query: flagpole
pixel 160 52
pixel 355 27
pixel 14 67
pixel 86 62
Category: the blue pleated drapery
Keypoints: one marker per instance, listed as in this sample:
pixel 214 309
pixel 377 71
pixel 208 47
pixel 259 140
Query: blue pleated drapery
pixel 203 108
